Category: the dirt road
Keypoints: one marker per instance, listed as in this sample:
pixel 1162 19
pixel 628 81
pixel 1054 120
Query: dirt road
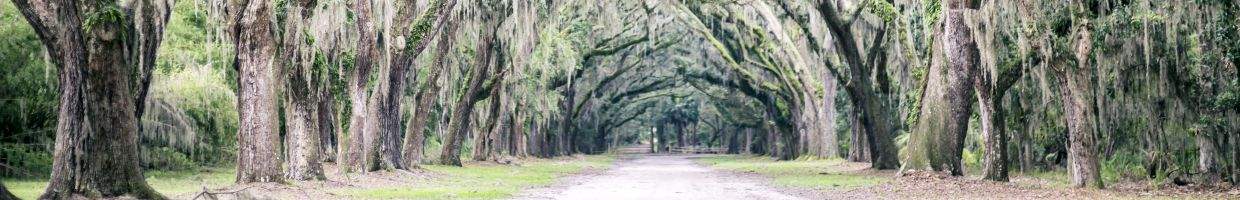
pixel 652 176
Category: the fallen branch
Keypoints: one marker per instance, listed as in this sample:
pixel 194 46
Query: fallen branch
pixel 212 195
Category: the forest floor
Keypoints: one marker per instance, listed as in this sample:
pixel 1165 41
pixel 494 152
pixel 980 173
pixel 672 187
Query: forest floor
pixel 477 180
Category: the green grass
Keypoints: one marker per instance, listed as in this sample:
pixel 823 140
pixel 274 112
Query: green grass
pixel 26 189
pixel 165 182
pixel 172 183
pixel 1054 179
pixel 803 173
pixel 470 182
pixel 483 182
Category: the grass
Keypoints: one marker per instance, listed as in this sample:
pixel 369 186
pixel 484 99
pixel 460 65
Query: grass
pixel 473 181
pixel 26 189
pixel 483 181
pixel 805 173
pixel 1053 179
pixel 165 182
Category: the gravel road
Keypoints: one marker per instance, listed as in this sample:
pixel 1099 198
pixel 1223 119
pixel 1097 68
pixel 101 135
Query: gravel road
pixel 652 176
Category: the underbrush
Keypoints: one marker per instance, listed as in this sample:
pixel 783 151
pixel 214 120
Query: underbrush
pixel 802 173
pixel 485 180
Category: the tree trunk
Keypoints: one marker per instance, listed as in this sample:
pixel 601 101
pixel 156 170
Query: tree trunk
pixel 947 104
pixel 460 122
pixel 480 136
pixel 994 162
pixel 830 140
pixel 499 126
pixel 749 141
pixel 518 147
pixel 1235 147
pixel 1207 156
pixel 106 150
pixel 867 91
pixel 859 149
pixel 96 148
pixel 772 141
pixel 367 53
pixel 485 140
pixel 1020 136
pixel 1078 101
pixel 327 120
pixel 303 136
pixel 382 136
pixel 258 158
pixel 414 139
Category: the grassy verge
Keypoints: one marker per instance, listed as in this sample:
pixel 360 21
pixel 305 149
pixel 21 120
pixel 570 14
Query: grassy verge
pixel 816 174
pixel 484 181
pixel 474 181
pixel 166 182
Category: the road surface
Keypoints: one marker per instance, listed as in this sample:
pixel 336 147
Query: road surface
pixel 654 176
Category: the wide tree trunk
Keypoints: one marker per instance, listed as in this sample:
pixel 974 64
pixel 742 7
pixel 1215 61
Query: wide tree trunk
pixel 938 141
pixel 1078 101
pixel 303 145
pixel 367 53
pixel 96 147
pixel 258 158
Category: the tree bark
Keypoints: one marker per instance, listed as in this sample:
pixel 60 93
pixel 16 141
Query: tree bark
pixel 1078 101
pixel 485 140
pixel 96 148
pixel 994 160
pixel 859 149
pixel 258 158
pixel 460 122
pixel 302 123
pixel 414 139
pixel 1207 156
pixel 869 99
pixel 830 140
pixel 519 147
pixel 949 97
pixel 328 126
pixel 488 143
pixel 367 53
pixel 382 134
pixel 947 104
